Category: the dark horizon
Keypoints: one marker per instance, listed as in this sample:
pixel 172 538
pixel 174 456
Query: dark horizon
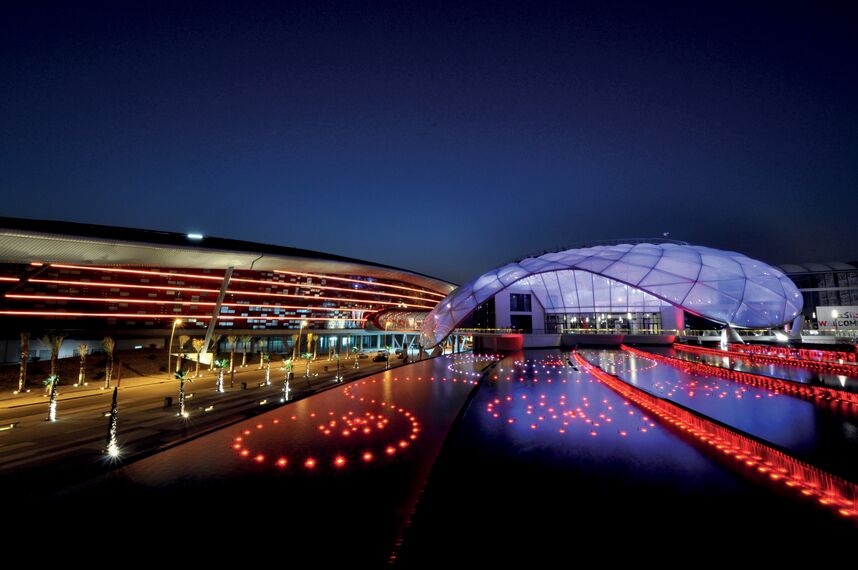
pixel 445 139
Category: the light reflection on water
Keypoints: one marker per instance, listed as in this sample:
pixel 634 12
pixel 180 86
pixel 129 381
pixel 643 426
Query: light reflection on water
pixel 822 433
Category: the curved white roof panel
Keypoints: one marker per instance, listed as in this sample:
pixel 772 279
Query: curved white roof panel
pixel 791 268
pixel 724 286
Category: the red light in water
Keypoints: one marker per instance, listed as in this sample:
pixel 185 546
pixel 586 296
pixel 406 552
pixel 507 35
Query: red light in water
pixel 259 458
pixel 282 462
pixel 403 444
pixel 258 426
pixel 367 456
pixel 390 450
pixel 236 446
pixel 339 461
pixel 310 463
pixel 245 452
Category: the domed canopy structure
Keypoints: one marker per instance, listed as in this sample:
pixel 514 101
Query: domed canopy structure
pixel 723 286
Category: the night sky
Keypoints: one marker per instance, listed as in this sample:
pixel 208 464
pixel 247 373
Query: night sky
pixel 447 139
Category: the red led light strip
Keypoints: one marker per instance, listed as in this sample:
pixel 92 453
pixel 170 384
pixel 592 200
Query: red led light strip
pixel 185 303
pixel 797 353
pixel 13 279
pixel 818 365
pixel 244 280
pixel 768 382
pixel 108 284
pixel 173 316
pixel 829 490
pixel 373 283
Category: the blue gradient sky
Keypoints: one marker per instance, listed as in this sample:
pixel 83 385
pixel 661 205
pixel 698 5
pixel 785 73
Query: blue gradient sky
pixel 442 138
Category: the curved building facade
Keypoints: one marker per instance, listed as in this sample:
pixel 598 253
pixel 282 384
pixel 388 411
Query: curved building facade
pixel 77 276
pixel 635 286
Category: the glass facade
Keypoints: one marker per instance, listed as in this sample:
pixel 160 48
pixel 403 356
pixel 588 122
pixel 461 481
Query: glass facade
pixel 824 285
pixel 608 322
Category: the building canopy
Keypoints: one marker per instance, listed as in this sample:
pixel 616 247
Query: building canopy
pixel 723 286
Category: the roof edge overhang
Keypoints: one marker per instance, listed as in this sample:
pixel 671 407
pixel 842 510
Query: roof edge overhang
pixel 26 240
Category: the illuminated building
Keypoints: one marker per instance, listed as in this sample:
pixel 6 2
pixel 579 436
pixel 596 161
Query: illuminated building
pixel 93 280
pixel 624 288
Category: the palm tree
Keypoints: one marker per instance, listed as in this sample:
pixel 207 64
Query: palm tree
pixel 181 376
pixel 245 342
pixel 214 349
pixel 183 340
pixel 25 356
pixel 112 447
pixel 54 341
pixel 51 383
pixel 231 339
pixel 220 364
pixel 109 345
pixel 307 356
pixel 261 343
pixel 264 357
pixel 199 345
pixel 83 349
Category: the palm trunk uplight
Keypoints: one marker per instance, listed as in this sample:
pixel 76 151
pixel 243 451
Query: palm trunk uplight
pixel 112 443
pixel 25 356
pixel 52 382
pixel 109 345
pixel 83 349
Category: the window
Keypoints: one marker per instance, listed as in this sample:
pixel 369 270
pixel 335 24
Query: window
pixel 519 302
pixel 523 323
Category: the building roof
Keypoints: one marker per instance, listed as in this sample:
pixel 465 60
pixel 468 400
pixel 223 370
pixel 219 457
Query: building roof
pixel 722 286
pixel 795 268
pixel 25 241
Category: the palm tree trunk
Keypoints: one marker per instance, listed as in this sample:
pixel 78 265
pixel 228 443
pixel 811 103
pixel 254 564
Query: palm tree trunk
pixel 108 372
pixel 182 397
pixel 52 406
pixel 81 375
pixel 25 356
pixel 197 371
pixel 112 446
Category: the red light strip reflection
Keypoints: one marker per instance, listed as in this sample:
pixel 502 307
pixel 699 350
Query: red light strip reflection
pixel 818 365
pixel 768 382
pixel 829 490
